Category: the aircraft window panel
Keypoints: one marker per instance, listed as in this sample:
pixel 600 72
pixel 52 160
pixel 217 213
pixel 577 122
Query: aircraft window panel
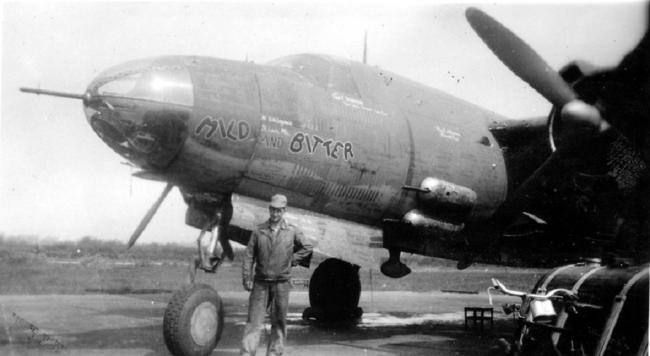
pixel 120 86
pixel 316 72
pixel 314 68
pixel 325 72
pixel 340 80
pixel 160 84
pixel 174 87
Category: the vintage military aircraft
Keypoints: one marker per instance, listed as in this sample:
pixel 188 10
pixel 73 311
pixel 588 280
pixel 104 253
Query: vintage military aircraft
pixel 435 175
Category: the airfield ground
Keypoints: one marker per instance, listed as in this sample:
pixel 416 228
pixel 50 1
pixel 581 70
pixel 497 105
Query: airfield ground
pixel 105 307
pixel 409 323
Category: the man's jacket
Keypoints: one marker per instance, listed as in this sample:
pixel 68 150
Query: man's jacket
pixel 273 256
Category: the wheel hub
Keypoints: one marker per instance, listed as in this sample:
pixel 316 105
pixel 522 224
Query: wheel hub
pixel 204 322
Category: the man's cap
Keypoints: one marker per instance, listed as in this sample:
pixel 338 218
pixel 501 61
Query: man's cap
pixel 279 201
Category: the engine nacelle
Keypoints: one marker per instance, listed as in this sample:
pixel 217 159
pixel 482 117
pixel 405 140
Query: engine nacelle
pixel 442 208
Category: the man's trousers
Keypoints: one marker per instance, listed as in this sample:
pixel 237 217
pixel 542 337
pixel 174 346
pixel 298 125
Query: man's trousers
pixel 274 298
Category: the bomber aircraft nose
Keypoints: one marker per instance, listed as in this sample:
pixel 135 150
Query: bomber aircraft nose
pixel 141 108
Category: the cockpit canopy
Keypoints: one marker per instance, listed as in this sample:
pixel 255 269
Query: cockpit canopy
pixel 158 80
pixel 330 73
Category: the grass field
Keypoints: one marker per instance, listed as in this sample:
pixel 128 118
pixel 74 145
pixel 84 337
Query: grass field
pixel 92 266
pixel 53 277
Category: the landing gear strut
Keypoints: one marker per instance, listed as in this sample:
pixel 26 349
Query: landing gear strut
pixel 334 290
pixel 218 247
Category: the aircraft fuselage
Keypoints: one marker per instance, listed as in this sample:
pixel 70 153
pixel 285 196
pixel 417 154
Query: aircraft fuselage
pixel 337 137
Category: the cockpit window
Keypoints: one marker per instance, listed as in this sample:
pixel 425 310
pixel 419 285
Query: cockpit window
pixel 323 71
pixel 341 80
pixel 314 68
pixel 120 86
pixel 163 83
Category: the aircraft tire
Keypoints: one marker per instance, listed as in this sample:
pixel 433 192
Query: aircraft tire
pixel 334 290
pixel 193 321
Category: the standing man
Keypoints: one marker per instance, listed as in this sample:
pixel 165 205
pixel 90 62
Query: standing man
pixel 273 249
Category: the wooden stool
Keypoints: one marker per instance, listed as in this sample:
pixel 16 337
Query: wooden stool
pixel 476 314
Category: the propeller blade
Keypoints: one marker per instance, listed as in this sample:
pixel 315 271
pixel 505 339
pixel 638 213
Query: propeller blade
pixel 520 58
pixel 147 218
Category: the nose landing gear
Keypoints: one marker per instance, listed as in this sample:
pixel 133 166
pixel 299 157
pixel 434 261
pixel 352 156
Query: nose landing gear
pixel 193 319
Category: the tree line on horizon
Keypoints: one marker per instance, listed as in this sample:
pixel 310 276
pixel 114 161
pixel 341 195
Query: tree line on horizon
pixel 32 246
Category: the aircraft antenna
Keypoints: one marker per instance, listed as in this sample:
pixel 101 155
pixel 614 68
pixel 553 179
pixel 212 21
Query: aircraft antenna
pixel 365 47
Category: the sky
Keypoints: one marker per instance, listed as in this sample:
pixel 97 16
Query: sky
pixel 59 180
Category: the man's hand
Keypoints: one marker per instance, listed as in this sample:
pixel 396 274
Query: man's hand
pixel 248 284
